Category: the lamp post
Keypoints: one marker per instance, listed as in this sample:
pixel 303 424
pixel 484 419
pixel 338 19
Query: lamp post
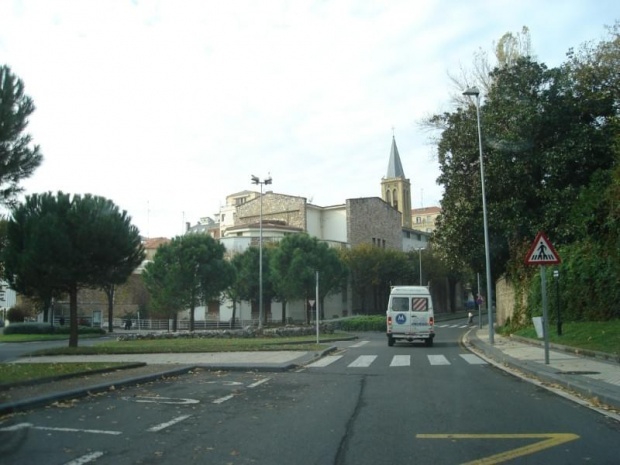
pixel 420 249
pixel 473 91
pixel 256 180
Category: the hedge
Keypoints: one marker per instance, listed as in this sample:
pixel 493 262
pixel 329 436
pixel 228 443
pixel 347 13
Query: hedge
pixel 362 323
pixel 45 328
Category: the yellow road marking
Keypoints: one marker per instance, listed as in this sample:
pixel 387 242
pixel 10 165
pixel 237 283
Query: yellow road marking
pixel 551 440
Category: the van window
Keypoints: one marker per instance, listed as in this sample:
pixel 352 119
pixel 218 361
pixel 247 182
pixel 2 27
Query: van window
pixel 419 304
pixel 400 304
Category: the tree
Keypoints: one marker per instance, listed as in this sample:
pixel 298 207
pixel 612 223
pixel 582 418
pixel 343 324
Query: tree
pixel 18 159
pixel 294 263
pixel 188 270
pixel 60 244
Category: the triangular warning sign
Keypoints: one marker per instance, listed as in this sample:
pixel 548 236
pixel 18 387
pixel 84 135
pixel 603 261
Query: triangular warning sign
pixel 542 252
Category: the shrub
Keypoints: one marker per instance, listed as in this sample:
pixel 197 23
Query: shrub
pixel 17 314
pixel 45 328
pixel 362 323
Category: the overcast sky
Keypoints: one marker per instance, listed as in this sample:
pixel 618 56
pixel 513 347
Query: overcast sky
pixel 166 107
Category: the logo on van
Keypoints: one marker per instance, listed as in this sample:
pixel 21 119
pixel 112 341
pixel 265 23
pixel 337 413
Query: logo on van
pixel 401 318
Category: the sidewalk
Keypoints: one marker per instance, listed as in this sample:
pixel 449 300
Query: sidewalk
pixel 596 379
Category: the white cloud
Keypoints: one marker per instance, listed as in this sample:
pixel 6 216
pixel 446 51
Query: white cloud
pixel 167 106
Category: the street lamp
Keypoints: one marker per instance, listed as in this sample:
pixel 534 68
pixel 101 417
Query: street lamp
pixel 473 91
pixel 256 180
pixel 420 249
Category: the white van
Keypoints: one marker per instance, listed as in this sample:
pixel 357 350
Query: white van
pixel 410 315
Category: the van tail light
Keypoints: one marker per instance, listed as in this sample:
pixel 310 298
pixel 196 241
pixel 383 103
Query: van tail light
pixel 389 322
pixel 431 321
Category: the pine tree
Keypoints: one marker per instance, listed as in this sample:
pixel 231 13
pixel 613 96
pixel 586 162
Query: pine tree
pixel 18 158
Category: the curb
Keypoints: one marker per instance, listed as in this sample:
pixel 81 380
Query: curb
pixel 50 379
pixel 596 391
pixel 11 407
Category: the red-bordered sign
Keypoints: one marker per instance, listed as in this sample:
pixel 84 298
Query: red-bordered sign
pixel 542 252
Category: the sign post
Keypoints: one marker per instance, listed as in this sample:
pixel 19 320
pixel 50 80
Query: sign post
pixel 317 314
pixel 542 253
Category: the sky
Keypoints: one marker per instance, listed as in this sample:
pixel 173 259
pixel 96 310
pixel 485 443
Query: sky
pixel 166 107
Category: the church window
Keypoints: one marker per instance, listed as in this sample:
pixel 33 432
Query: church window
pixel 389 197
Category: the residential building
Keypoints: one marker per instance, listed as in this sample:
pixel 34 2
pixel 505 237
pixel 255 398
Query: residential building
pixel 424 219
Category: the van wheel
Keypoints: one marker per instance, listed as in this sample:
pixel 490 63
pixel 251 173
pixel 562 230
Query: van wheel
pixel 390 341
pixel 429 342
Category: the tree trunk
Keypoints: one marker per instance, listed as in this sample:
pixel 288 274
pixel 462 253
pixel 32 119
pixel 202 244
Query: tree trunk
pixel 191 317
pixel 73 321
pixel 283 312
pixel 232 321
pixel 110 293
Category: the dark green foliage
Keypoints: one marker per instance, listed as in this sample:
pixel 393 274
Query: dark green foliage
pixel 18 159
pixel 362 323
pixel 58 244
pixel 46 328
pixel 189 270
pixel 547 135
pixel 294 264
pixel 17 314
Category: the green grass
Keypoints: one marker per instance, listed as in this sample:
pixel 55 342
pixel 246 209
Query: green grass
pixel 19 372
pixel 601 336
pixel 196 345
pixel 42 337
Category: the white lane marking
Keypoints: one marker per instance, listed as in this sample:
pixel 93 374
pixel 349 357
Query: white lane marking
pixel 401 361
pixel 323 362
pixel 16 427
pixel 225 383
pixel 161 400
pixel 258 383
pixel 362 361
pixel 174 421
pixel 62 430
pixel 454 326
pixel 473 359
pixel 444 326
pixel 85 458
pixel 223 399
pixel 438 360
pixel 360 344
pixel 464 326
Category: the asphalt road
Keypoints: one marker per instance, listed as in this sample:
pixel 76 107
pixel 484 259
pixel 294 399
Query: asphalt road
pixel 366 404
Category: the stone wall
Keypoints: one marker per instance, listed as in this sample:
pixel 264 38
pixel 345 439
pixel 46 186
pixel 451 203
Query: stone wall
pixel 372 218
pixel 128 298
pixel 505 299
pixel 291 210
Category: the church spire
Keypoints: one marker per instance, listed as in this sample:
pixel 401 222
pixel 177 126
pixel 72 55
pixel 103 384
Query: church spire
pixel 395 167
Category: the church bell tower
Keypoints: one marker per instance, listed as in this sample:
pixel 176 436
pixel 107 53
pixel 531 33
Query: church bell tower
pixel 396 188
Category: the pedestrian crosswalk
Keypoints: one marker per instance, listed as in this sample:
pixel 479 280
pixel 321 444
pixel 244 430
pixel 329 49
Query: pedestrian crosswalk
pixel 364 361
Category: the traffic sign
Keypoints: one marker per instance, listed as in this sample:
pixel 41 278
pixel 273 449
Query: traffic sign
pixel 542 252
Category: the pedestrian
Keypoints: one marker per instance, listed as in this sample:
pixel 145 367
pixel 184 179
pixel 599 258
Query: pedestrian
pixel 471 318
pixel 128 323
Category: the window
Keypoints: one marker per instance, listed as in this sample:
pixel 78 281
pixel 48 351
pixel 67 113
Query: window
pixel 418 219
pixel 384 243
pixel 400 304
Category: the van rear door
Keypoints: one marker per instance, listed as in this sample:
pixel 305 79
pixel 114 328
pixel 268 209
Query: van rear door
pixel 420 315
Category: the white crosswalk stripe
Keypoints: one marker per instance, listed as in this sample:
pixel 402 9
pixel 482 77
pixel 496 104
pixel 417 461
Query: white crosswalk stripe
pixel 473 359
pixel 360 344
pixel 401 361
pixel 463 326
pixel 325 361
pixel 363 361
pixel 438 360
pixel 444 326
